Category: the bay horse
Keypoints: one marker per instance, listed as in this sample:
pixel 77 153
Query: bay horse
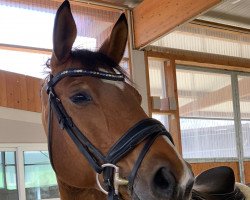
pixel 95 126
pixel 94 123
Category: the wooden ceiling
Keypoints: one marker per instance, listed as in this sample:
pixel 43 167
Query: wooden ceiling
pixel 122 3
pixel 227 14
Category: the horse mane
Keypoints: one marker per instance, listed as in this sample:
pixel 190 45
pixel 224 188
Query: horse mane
pixel 95 61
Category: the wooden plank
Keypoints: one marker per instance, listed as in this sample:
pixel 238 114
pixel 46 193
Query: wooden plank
pixel 171 87
pixel 200 167
pixel 167 112
pixel 20 48
pixel 33 98
pixel 153 19
pixel 16 90
pixel 20 91
pixel 106 5
pixel 222 27
pixel 10 87
pixel 247 172
pixel 3 93
pixel 24 92
pixel 198 59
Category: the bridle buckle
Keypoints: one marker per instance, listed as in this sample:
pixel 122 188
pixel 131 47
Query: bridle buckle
pixel 118 181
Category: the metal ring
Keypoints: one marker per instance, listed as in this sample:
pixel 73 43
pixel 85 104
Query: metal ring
pixel 97 176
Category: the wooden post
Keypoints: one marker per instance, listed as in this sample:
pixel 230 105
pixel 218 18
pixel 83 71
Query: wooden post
pixel 172 94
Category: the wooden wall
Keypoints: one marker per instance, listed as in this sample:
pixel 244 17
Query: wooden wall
pixel 247 171
pixel 20 91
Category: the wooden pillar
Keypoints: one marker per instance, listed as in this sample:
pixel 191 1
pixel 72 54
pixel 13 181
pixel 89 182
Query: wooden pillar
pixel 172 94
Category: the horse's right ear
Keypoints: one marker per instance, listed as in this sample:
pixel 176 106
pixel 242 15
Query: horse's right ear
pixel 64 33
pixel 115 45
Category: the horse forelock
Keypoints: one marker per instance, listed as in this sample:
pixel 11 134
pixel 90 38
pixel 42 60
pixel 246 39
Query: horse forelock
pixel 92 61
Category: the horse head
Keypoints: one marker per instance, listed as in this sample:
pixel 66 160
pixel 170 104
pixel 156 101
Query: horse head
pixel 92 116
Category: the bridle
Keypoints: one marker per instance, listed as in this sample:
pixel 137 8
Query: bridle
pixel 145 130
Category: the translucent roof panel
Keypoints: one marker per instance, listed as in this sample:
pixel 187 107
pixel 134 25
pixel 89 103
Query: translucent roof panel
pixel 206 40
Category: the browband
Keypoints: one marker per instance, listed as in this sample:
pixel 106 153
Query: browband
pixel 75 72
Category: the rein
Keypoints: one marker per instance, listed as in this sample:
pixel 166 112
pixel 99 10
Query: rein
pixel 145 130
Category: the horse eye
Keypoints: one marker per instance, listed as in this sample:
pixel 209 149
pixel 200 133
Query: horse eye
pixel 80 98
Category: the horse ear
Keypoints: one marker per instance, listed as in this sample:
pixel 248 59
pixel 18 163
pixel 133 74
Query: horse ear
pixel 115 45
pixel 64 32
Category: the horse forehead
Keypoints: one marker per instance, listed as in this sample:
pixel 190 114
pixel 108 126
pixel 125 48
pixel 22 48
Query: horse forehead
pixel 87 82
pixel 118 84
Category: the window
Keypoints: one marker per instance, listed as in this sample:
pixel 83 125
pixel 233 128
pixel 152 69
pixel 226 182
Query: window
pixel 27 27
pixel 158 91
pixel 26 173
pixel 8 177
pixel 208 138
pixel 244 97
pixel 40 179
pixel 206 40
pixel 206 114
pixel 162 118
pixel 157 78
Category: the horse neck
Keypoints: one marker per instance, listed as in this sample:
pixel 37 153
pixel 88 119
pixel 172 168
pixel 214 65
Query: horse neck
pixel 72 193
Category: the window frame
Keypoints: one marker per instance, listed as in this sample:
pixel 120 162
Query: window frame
pixel 19 149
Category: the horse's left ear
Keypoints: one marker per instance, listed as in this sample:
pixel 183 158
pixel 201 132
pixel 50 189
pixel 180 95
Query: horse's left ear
pixel 64 32
pixel 115 45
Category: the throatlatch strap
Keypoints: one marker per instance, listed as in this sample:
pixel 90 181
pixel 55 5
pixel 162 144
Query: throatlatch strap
pixel 50 118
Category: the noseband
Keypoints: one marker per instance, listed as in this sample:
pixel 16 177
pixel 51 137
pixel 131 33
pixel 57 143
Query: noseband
pixel 146 130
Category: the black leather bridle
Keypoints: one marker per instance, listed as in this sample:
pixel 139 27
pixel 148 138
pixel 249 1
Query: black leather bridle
pixel 146 131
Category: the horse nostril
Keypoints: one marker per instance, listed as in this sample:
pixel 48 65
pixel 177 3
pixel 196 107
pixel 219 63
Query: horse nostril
pixel 164 183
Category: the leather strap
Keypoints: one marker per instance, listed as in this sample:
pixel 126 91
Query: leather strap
pixel 139 160
pixel 92 154
pixel 145 130
pixel 76 72
pixel 50 118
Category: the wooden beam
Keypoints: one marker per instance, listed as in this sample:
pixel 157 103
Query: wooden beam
pixel 25 49
pixel 171 89
pixel 221 27
pixel 247 171
pixel 193 58
pixel 153 19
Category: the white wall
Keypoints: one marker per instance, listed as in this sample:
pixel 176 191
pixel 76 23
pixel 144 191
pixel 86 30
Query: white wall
pixel 139 76
pixel 18 126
